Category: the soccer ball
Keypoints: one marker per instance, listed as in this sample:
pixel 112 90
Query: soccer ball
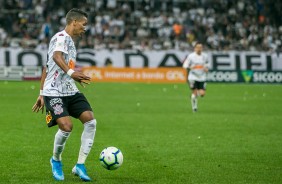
pixel 111 158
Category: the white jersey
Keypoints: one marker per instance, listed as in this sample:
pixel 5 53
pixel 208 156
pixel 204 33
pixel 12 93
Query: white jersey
pixel 196 64
pixel 57 82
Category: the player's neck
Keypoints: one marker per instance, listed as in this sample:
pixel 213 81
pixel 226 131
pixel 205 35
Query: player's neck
pixel 69 30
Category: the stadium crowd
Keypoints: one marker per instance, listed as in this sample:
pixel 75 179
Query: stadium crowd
pixel 254 25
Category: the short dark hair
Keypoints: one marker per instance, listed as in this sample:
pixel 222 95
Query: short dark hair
pixel 198 43
pixel 75 14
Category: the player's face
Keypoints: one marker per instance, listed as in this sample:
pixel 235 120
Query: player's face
pixel 80 26
pixel 198 48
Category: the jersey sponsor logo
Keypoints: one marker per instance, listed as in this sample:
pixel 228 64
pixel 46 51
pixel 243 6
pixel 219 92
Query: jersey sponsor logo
pixel 55 101
pixel 71 64
pixel 58 109
pixel 198 67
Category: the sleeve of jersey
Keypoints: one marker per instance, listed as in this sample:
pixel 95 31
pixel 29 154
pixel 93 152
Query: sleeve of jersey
pixel 186 62
pixel 206 61
pixel 61 44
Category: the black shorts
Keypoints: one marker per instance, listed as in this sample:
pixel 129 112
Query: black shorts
pixel 197 85
pixel 57 107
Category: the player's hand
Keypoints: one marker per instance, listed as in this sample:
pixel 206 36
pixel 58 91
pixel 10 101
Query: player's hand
pixel 206 69
pixel 81 78
pixel 39 104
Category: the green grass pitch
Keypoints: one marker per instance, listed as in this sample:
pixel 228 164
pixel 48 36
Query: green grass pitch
pixel 235 137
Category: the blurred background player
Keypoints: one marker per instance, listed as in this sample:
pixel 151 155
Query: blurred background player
pixel 197 65
pixel 61 97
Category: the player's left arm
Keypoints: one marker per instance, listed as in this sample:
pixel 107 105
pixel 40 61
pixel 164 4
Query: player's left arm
pixel 77 76
pixel 58 57
pixel 39 104
pixel 206 65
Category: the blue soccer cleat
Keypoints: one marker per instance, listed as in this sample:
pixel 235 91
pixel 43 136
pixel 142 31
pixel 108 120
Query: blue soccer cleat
pixel 57 169
pixel 80 170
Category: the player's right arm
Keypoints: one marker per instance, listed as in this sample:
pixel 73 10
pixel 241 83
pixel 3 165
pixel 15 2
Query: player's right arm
pixel 186 63
pixel 39 104
pixel 77 76
pixel 206 65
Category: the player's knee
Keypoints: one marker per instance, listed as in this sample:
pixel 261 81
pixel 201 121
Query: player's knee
pixel 86 116
pixel 202 93
pixel 67 127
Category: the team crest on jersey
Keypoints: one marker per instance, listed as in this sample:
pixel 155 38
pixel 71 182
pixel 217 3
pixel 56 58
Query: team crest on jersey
pixel 58 109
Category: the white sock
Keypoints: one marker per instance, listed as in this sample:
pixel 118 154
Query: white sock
pixel 59 144
pixel 87 139
pixel 194 101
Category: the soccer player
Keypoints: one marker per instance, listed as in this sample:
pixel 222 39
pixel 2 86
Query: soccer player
pixel 62 98
pixel 197 65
